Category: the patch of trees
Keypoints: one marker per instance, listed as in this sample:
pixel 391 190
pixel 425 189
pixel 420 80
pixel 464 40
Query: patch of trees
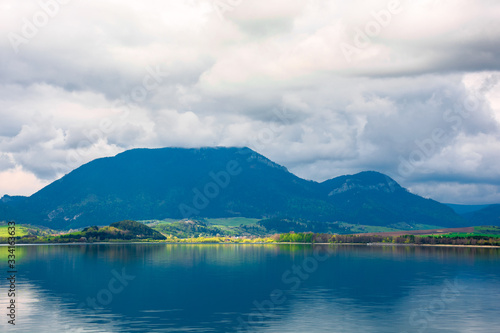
pixel 469 240
pixel 406 239
pixel 124 230
pixel 297 237
pixel 137 230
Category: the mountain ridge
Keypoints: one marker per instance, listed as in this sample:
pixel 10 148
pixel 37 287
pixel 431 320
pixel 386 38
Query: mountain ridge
pixel 217 182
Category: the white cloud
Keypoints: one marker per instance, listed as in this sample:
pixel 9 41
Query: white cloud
pixel 225 80
pixel 17 181
pixel 459 193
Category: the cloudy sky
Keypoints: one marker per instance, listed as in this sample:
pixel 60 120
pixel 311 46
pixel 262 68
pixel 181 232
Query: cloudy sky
pixel 325 88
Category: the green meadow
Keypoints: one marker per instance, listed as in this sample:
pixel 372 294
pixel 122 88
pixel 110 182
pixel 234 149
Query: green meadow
pixel 20 231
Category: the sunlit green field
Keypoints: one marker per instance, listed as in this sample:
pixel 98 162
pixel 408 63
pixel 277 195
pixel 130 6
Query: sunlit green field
pixel 488 230
pixel 466 235
pixel 20 231
pixel 481 231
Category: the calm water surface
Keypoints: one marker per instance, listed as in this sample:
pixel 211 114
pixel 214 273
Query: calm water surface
pixel 257 288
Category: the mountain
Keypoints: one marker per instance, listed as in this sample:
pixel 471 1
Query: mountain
pixel 12 200
pixel 163 183
pixel 479 214
pixel 464 209
pixel 373 198
pixel 489 215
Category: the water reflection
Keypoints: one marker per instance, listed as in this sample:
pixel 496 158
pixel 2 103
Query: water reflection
pixel 218 288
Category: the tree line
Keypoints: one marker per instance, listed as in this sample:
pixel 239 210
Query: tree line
pixel 309 237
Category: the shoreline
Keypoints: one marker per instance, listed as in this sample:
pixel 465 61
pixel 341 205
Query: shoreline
pixel 276 243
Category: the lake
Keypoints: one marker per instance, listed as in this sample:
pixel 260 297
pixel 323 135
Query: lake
pixel 253 288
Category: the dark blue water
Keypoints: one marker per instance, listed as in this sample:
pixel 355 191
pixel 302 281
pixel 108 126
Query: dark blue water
pixel 261 288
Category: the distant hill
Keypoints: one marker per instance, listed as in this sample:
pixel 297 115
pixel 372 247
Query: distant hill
pixel 143 184
pixel 489 215
pixel 464 209
pixel 372 198
pixel 13 200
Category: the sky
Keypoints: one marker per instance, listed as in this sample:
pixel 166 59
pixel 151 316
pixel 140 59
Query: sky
pixel 325 88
